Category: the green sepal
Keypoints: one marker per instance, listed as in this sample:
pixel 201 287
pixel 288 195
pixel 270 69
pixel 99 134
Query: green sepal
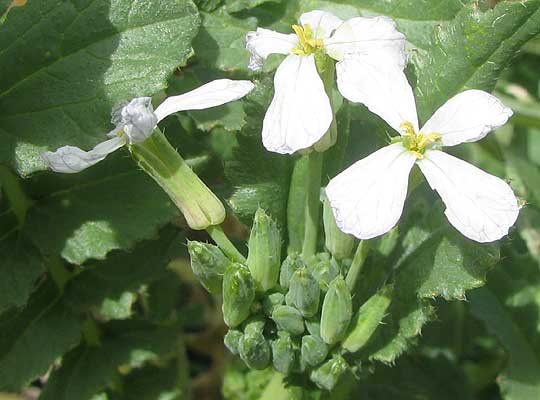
pixel 327 375
pixel 289 265
pixel 367 320
pixel 271 301
pixel 288 319
pixel 305 292
pixel 208 264
pixel 313 326
pixel 338 243
pixel 324 269
pixel 336 311
pixel 313 350
pixel 238 294
pixel 254 325
pixel 232 340
pixel 254 350
pixel 283 353
pixel 264 256
pixel 159 159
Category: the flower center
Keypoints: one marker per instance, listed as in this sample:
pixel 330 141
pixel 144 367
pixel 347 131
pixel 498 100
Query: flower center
pixel 417 143
pixel 307 43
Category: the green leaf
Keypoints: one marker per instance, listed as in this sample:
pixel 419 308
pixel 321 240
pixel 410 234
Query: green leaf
pixel 456 62
pixel 234 6
pixel 87 370
pixel 260 179
pixel 110 206
pixel 87 56
pixel 509 309
pixel 110 286
pixel 32 338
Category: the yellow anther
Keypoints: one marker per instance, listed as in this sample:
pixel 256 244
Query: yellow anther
pixel 417 143
pixel 307 43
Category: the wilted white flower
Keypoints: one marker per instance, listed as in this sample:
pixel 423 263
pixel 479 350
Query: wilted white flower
pixel 136 120
pixel 300 112
pixel 368 197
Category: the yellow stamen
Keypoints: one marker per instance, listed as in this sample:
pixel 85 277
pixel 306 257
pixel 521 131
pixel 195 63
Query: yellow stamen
pixel 417 143
pixel 307 43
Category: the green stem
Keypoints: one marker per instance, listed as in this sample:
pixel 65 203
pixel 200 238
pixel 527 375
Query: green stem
pixel 18 199
pixel 223 242
pixel 312 205
pixel 357 264
pixel 91 332
pixel 161 161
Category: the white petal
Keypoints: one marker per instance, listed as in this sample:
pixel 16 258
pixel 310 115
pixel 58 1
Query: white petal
pixel 368 197
pixel 365 36
pixel 380 86
pixel 136 119
pixel 263 42
pixel 322 23
pixel 468 117
pixel 71 159
pixel 300 112
pixel 212 94
pixel 481 206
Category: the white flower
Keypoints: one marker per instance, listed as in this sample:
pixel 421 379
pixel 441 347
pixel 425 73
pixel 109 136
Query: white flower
pixel 368 197
pixel 300 112
pixel 136 120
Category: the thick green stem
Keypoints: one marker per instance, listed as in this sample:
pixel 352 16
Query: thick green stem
pixel 161 161
pixel 357 264
pixel 313 204
pixel 18 200
pixel 223 242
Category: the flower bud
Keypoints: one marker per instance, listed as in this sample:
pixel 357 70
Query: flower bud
pixel 327 375
pixel 208 264
pixel 254 325
pixel 313 326
pixel 291 264
pixel 271 301
pixel 324 269
pixel 264 251
pixel 336 311
pixel 283 353
pixel 313 350
pixel 232 340
pixel 238 294
pixel 367 319
pixel 305 292
pixel 288 319
pixel 338 243
pixel 254 350
pixel 136 119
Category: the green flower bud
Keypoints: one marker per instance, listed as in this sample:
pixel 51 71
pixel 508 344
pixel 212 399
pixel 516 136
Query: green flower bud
pixel 289 299
pixel 291 264
pixel 313 326
pixel 208 264
pixel 238 294
pixel 336 311
pixel 313 350
pixel 288 319
pixel 283 353
pixel 232 340
pixel 271 301
pixel 327 375
pixel 254 325
pixel 264 251
pixel 339 244
pixel 367 319
pixel 305 292
pixel 254 350
pixel 324 269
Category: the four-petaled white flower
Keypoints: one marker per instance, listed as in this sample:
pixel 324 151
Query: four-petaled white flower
pixel 300 112
pixel 136 120
pixel 368 197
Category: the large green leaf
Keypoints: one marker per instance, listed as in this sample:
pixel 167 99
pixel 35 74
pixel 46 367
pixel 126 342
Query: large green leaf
pixel 34 337
pixel 508 307
pixel 65 64
pixel 110 206
pixel 87 370
pixel 107 286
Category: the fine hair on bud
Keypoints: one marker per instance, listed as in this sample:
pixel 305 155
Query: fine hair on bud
pixel 238 294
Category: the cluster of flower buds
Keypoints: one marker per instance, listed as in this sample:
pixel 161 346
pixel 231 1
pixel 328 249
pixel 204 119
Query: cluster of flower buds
pixel 294 315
